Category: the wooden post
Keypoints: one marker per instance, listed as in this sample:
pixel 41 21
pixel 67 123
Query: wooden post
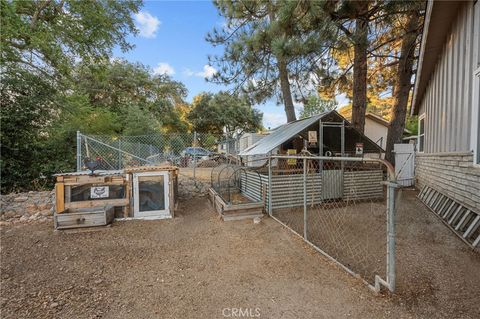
pixel 59 197
pixel 127 182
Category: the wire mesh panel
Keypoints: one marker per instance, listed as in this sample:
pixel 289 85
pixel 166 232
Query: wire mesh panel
pixel 222 181
pixel 237 184
pixel 179 149
pixel 341 207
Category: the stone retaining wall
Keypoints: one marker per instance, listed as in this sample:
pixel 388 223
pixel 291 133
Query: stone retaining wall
pixel 452 174
pixel 27 206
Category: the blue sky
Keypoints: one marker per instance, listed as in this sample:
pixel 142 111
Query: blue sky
pixel 172 41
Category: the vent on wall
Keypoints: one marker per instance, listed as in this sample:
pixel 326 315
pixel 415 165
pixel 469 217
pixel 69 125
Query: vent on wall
pixel 464 222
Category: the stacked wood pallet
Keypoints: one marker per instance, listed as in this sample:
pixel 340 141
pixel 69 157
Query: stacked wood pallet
pixel 87 213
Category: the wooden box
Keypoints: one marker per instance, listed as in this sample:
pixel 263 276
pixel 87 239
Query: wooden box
pixel 84 217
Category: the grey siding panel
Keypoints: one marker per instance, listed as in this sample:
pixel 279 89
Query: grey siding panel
pixel 447 100
pixel 363 185
pixel 287 190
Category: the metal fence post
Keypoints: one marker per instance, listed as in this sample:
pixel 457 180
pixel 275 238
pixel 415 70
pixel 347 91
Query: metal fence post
pixel 79 151
pixel 305 198
pixel 270 185
pixel 391 235
pixel 119 153
pixel 194 156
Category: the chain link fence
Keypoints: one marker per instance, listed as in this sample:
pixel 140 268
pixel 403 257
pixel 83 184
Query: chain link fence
pixel 185 150
pixel 343 207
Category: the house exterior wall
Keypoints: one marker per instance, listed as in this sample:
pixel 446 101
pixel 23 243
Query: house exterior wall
pixel 376 131
pixel 453 174
pixel 447 103
pixel 247 140
pixel 451 117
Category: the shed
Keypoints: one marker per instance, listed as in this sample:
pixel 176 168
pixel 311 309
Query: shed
pixel 376 126
pixel 328 180
pixel 325 129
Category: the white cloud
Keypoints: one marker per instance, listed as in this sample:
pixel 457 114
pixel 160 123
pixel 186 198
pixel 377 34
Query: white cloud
pixel 147 24
pixel 208 72
pixel 272 120
pixel 163 68
pixel 188 72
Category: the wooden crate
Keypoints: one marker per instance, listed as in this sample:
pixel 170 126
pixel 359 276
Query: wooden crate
pixel 66 182
pixel 84 217
pixel 235 211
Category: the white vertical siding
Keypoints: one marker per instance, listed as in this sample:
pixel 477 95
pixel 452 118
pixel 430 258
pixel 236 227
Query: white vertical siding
pixel 447 100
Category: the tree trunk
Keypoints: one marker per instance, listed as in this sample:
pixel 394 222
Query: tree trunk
pixel 403 85
pixel 286 92
pixel 359 106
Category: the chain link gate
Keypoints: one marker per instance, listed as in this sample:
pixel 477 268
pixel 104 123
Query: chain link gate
pixel 343 207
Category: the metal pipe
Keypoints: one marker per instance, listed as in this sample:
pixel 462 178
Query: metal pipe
pixel 342 146
pixel 390 169
pixel 391 235
pixel 270 186
pixel 342 135
pixel 79 151
pixel 120 153
pixel 320 145
pixel 194 157
pixel 305 198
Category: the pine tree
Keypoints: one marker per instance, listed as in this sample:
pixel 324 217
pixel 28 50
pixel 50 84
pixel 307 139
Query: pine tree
pixel 403 84
pixel 269 48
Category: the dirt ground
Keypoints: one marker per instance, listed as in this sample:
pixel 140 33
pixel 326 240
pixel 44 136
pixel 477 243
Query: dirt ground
pixel 196 266
pixel 354 233
pixel 201 173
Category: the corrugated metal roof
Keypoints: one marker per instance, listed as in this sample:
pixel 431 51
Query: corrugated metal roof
pixel 280 135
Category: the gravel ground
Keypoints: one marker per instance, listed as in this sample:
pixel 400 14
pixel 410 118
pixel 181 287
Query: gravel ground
pixel 196 266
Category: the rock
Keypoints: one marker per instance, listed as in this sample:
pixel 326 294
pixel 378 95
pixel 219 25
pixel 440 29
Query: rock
pixel 44 206
pixel 10 214
pixel 23 219
pixel 54 305
pixel 31 208
pixel 257 220
pixel 46 213
pixel 20 199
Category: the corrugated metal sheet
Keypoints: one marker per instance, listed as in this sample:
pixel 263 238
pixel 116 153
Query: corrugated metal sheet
pixel 280 135
pixel 447 101
pixel 287 190
pixel 363 185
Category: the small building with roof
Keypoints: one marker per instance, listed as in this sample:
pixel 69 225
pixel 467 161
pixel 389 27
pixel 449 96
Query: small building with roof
pixel 326 134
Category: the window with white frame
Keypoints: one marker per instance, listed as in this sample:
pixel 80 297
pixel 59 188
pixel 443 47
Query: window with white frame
pixel 421 132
